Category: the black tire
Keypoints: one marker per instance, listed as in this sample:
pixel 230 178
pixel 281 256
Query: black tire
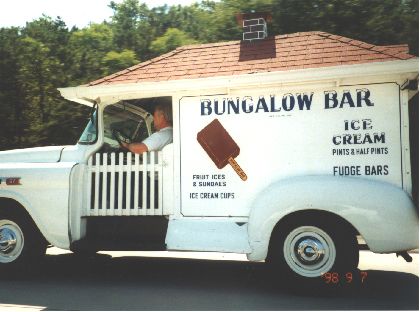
pixel 305 251
pixel 21 243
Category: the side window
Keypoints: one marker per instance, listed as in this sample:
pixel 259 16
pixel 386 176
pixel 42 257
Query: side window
pixel 130 125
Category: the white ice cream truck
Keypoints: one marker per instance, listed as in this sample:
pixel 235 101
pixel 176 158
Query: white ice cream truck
pixel 290 167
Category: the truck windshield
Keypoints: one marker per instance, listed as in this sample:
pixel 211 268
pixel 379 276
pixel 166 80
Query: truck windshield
pixel 90 133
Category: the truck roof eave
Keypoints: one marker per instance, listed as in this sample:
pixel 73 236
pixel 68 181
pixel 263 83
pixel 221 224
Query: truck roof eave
pixel 73 94
pixel 87 95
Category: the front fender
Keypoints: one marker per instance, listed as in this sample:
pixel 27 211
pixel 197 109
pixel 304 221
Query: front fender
pixel 382 213
pixel 44 193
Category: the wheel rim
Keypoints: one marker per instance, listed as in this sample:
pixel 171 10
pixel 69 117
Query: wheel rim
pixel 309 251
pixel 11 241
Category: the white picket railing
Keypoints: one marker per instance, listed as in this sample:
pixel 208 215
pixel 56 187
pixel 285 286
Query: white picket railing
pixel 124 184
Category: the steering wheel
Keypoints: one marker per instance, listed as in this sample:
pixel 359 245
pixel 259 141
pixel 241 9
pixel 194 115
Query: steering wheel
pixel 120 137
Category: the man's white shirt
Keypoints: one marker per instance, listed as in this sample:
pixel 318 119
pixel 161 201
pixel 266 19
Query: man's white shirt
pixel 158 140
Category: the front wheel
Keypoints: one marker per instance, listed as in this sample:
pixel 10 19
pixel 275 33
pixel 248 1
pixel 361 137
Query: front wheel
pixel 312 249
pixel 20 241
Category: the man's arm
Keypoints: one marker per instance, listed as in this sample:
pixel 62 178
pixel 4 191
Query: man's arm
pixel 138 148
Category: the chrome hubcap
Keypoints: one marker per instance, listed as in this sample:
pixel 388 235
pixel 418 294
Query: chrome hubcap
pixel 309 250
pixel 7 240
pixel 11 241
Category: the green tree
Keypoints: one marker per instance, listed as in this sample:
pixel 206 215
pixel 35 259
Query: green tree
pixel 39 75
pixel 114 61
pixel 196 20
pixel 131 27
pixel 88 48
pixel 381 22
pixel 32 66
pixel 172 39
pixel 11 102
pixel 54 35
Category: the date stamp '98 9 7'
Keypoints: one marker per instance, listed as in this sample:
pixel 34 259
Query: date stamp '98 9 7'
pixel 333 278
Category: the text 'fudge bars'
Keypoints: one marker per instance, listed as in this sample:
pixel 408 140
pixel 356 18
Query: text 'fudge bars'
pixel 220 146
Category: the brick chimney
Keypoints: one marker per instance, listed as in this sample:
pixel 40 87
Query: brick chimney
pixel 254 25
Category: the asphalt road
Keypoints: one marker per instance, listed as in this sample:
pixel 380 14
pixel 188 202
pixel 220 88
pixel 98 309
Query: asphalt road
pixel 128 281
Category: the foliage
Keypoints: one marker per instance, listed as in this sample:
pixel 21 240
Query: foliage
pixel 44 55
pixel 131 27
pixel 10 100
pixel 381 22
pixel 114 61
pixel 88 47
pixel 170 40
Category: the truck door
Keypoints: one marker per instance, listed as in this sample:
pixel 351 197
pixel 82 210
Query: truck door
pixel 121 183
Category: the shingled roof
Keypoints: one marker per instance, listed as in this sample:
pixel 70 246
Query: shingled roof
pixel 280 53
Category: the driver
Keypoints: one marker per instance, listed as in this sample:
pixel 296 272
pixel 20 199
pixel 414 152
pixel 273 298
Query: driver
pixel 162 120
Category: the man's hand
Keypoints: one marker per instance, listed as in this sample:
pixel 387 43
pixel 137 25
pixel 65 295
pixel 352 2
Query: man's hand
pixel 125 145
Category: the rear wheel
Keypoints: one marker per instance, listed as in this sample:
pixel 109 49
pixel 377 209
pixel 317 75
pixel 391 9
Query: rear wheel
pixel 20 241
pixel 309 250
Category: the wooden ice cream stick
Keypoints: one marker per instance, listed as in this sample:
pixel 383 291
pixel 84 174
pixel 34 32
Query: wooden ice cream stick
pixel 237 168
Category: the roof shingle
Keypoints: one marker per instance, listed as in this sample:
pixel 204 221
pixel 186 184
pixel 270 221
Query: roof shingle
pixel 280 53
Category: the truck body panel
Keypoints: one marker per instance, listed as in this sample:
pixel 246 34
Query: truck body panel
pixel 291 133
pixel 203 234
pixel 368 205
pixel 44 192
pixel 47 154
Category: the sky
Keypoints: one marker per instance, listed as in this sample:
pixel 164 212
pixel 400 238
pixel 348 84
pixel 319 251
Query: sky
pixel 73 12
